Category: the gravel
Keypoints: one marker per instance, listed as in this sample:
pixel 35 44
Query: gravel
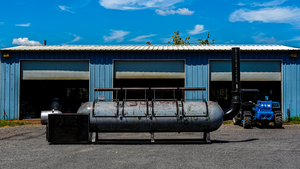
pixel 232 147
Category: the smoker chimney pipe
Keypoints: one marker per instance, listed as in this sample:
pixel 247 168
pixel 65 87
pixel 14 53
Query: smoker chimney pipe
pixel 44 42
pixel 236 85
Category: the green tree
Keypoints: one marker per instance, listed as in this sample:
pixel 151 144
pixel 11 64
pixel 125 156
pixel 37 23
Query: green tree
pixel 206 41
pixel 178 41
pixel 149 43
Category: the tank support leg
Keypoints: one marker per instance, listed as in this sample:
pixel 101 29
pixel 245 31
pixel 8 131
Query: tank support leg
pixel 207 137
pixel 94 137
pixel 152 137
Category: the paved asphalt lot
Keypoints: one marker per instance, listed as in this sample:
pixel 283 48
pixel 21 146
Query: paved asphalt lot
pixel 232 147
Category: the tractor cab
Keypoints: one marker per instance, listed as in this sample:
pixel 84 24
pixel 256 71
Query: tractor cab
pixel 249 99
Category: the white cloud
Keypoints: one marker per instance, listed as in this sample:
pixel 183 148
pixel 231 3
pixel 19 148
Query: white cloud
pixel 197 30
pixel 180 11
pixel 142 38
pixel 77 38
pixel 241 4
pixel 65 8
pixel 260 39
pixel 3 45
pixel 268 15
pixel 85 3
pixel 25 41
pixel 137 4
pixel 297 38
pixel 117 35
pixel 1 23
pixel 23 25
pixel 271 3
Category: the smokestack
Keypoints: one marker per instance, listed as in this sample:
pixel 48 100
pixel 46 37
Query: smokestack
pixel 236 85
pixel 44 42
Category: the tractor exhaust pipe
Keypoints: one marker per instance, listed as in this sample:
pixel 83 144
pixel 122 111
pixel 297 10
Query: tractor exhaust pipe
pixel 236 85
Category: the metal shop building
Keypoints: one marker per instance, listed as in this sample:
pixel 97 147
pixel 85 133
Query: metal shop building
pixel 32 76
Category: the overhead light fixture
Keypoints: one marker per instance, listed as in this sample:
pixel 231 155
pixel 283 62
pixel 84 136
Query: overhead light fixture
pixel 293 55
pixel 6 54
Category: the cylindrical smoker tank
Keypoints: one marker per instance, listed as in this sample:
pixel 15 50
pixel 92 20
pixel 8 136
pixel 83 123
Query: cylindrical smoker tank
pixel 163 116
pixel 166 116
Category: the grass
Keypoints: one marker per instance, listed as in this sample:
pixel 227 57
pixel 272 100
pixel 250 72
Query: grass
pixel 228 122
pixel 9 123
pixel 295 120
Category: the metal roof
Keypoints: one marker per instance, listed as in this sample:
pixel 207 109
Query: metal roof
pixel 149 48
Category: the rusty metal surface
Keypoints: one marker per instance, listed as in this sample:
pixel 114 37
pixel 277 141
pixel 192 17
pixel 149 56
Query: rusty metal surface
pixel 163 108
pixel 105 109
pixel 194 108
pixel 156 124
pixel 135 108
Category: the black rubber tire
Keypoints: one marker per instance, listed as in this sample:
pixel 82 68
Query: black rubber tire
pixel 247 122
pixel 278 121
pixel 236 121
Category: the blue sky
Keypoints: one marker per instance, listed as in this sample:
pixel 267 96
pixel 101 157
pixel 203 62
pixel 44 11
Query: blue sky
pixel 122 22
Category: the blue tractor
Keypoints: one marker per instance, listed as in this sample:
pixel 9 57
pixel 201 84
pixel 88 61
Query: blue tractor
pixel 267 111
pixel 262 112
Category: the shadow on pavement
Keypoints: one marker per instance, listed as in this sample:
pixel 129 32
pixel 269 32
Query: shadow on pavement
pixel 23 135
pixel 159 141
pixel 238 141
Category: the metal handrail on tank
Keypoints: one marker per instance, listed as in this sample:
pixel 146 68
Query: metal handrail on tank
pixel 203 99
pixel 145 100
pixel 179 104
pixel 135 89
pixel 116 100
pixel 108 89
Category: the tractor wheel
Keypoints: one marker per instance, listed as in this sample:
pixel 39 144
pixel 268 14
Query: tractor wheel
pixel 278 121
pixel 236 121
pixel 247 122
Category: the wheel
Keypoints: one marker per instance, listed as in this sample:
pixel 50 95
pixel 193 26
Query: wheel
pixel 247 122
pixel 236 121
pixel 278 121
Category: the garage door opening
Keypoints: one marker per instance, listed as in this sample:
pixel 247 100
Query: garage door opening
pixel 221 91
pixel 149 83
pixel 37 95
pixel 41 81
pixel 145 73
pixel 264 75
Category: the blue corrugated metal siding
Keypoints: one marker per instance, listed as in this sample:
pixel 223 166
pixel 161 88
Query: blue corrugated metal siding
pixel 10 87
pixel 101 72
pixel 196 76
pixel 291 90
